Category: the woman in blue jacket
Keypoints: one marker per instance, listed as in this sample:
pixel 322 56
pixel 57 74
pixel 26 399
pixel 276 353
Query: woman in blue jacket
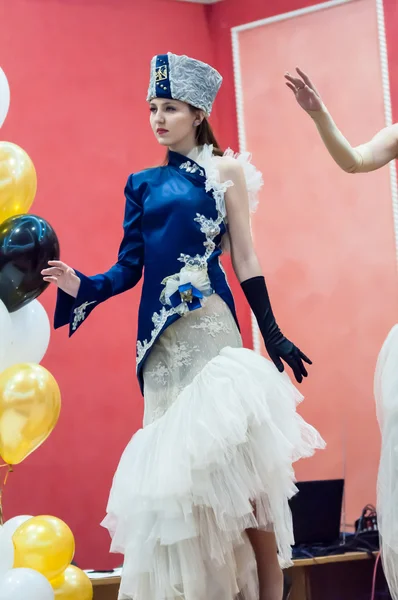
pixel 199 502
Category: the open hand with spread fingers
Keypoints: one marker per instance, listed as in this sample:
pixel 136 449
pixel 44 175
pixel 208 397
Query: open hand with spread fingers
pixel 305 91
pixel 63 276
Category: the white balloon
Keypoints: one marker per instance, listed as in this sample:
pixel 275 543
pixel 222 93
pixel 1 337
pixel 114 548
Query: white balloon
pixel 5 335
pixel 12 525
pixel 25 584
pixel 6 552
pixel 30 335
pixel 4 96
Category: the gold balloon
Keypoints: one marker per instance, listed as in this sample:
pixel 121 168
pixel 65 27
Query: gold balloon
pixel 73 584
pixel 44 544
pixel 18 181
pixel 30 403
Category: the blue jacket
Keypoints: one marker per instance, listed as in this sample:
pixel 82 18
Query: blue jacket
pixel 172 231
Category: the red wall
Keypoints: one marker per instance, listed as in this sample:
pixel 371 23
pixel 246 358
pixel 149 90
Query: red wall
pixel 361 460
pixel 222 17
pixel 231 13
pixel 391 23
pixel 78 73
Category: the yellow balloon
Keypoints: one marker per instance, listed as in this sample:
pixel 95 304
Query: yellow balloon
pixel 30 403
pixel 18 181
pixel 44 544
pixel 73 584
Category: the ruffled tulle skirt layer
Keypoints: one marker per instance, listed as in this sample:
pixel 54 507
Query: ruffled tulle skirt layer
pixel 386 394
pixel 220 435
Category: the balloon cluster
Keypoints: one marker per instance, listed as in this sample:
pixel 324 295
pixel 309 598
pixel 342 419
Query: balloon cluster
pixel 29 395
pixel 35 561
pixel 35 552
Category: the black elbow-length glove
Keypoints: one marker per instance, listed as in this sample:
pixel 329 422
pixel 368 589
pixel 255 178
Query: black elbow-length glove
pixel 278 347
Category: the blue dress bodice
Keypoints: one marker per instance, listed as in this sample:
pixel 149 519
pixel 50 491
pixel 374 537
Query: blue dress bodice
pixel 172 234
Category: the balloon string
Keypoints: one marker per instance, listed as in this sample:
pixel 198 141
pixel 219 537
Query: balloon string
pixel 10 470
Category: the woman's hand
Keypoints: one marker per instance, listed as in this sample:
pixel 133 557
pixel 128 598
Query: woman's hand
pixel 279 347
pixel 63 276
pixel 306 93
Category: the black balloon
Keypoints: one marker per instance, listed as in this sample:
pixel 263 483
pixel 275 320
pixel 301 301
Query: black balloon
pixel 27 243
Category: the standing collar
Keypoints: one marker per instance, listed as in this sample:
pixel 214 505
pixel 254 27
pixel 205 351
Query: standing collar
pixel 187 163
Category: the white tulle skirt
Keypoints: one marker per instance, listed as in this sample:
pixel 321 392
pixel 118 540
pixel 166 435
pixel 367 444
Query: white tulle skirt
pixel 220 435
pixel 386 394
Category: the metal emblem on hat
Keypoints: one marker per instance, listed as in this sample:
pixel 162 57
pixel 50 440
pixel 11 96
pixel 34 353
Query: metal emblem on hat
pixel 161 73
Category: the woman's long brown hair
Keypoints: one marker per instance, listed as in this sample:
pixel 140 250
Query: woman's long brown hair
pixel 205 135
